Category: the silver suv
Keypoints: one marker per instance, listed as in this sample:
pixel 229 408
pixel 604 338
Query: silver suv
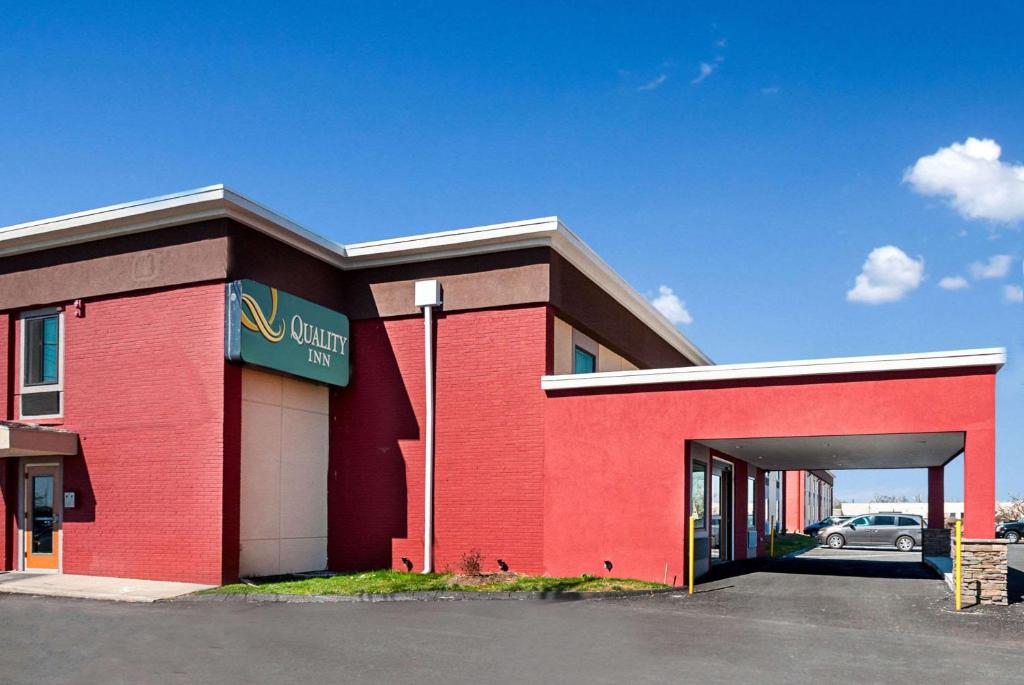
pixel 887 529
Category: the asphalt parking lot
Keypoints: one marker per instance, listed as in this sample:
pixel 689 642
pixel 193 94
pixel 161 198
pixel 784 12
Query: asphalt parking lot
pixel 788 621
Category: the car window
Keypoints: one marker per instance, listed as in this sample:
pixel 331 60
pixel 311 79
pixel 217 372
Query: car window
pixel 862 521
pixel 907 521
pixel 883 520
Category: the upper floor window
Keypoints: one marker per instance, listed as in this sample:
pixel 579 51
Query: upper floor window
pixel 583 361
pixel 41 386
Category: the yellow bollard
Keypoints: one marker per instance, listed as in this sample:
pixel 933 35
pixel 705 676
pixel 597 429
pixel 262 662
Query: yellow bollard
pixel 771 546
pixel 958 577
pixel 689 571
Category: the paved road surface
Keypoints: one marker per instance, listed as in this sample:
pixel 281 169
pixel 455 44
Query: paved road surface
pixel 793 621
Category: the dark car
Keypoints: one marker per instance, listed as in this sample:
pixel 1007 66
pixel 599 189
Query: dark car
pixel 813 529
pixel 1013 531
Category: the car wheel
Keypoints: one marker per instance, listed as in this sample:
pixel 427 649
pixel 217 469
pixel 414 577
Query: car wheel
pixel 905 543
pixel 1013 537
pixel 835 541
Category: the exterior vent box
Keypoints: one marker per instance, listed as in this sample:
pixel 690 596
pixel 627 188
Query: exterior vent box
pixel 428 293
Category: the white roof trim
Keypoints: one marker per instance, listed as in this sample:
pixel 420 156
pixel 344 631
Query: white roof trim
pixel 810 367
pixel 211 202
pixel 544 232
pixel 218 201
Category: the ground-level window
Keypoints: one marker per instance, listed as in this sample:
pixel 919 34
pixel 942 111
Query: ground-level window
pixel 583 361
pixel 41 379
pixel 698 471
pixel 750 503
pixel 767 502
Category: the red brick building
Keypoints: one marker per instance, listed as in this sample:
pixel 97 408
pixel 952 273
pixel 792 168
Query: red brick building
pixel 570 424
pixel 808 498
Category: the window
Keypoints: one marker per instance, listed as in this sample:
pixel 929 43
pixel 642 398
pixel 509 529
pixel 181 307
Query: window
pixel 907 521
pixel 883 520
pixel 767 502
pixel 860 521
pixel 698 471
pixel 583 361
pixel 42 375
pixel 750 503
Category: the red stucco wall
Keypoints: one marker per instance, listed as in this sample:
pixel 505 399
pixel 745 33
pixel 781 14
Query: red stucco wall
pixel 489 474
pixel 144 388
pixel 615 461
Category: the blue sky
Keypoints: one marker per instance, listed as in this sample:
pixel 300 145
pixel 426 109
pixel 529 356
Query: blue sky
pixel 748 159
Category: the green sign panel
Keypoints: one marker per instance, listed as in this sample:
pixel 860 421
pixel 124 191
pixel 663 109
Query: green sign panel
pixel 276 330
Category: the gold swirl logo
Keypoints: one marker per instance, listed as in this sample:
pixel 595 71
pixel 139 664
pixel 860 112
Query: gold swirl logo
pixel 260 323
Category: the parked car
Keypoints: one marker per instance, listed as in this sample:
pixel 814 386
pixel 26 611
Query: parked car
pixel 886 529
pixel 1013 531
pixel 813 529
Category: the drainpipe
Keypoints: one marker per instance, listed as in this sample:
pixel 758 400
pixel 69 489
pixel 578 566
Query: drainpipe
pixel 428 296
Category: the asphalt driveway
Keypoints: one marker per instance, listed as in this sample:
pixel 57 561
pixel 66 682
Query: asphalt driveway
pixel 775 623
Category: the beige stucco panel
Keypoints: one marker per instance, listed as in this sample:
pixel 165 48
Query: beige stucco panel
pixel 260 471
pixel 283 504
pixel 562 347
pixel 304 474
pixel 303 554
pixel 259 558
pixel 305 396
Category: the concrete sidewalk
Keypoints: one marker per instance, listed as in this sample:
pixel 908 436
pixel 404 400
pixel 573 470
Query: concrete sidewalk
pixel 93 587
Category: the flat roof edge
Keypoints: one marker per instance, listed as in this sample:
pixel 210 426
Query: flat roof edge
pixel 992 357
pixel 218 201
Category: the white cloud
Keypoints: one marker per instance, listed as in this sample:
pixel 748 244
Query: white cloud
pixel 953 283
pixel 721 43
pixel 997 266
pixel 706 70
pixel 977 183
pixel 887 275
pixel 1014 294
pixel 654 84
pixel 669 304
pixel 770 90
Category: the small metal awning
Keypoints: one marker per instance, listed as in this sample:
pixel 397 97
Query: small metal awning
pixel 27 440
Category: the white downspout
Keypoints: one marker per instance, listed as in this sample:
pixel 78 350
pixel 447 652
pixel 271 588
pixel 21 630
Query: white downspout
pixel 428 296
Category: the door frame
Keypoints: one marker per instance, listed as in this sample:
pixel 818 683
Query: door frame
pixel 58 495
pixel 726 465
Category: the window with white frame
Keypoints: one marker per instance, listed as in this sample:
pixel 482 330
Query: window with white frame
pixel 41 381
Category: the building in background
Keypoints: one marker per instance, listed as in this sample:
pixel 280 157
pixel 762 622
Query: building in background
pixel 808 498
pixel 773 501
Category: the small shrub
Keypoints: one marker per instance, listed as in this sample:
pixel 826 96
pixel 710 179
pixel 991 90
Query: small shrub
pixel 470 562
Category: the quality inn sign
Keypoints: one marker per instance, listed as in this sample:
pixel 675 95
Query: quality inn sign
pixel 277 330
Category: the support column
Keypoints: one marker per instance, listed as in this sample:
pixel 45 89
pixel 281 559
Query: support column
pixel 936 497
pixel 793 495
pixel 739 508
pixel 980 484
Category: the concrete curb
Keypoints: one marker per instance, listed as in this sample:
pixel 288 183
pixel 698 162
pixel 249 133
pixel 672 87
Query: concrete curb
pixel 431 596
pixel 798 552
pixel 940 571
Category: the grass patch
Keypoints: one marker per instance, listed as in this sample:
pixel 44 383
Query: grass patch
pixel 382 582
pixel 792 542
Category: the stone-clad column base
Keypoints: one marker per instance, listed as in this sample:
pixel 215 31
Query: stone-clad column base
pixel 935 542
pixel 984 571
